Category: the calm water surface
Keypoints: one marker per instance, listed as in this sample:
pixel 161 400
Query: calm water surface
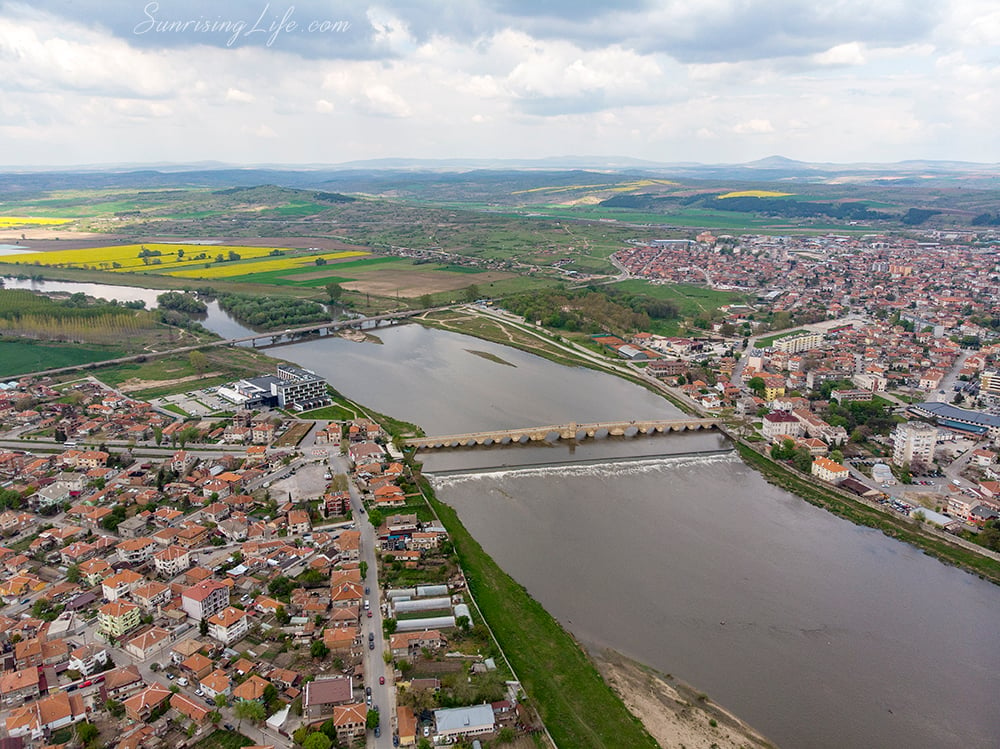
pixel 817 632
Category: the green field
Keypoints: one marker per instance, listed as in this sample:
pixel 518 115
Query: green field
pixel 22 357
pixel 691 300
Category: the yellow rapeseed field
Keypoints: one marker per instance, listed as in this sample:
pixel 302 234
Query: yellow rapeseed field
pixel 224 270
pixel 125 258
pixel 10 222
pixel 754 194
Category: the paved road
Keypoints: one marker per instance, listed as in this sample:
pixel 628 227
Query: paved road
pixel 383 695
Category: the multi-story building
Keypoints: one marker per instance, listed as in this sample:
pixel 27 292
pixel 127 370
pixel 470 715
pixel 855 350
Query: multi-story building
pixel 137 550
pixel 989 382
pixel 172 561
pixel 229 625
pixel 793 344
pixel 204 599
pixel 88 659
pixel 913 444
pixel 829 470
pixel 781 424
pixel 121 584
pixel 118 617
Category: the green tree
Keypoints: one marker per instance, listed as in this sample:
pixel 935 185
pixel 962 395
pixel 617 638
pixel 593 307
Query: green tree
pixel 373 719
pixel 802 459
pixel 389 625
pixel 203 627
pixel 757 385
pixel 87 732
pixel 317 740
pixel 363 568
pixel 199 362
pixel 215 717
pixel 318 649
pixel 73 573
pixel 282 615
pixel 334 292
pixel 837 456
pixel 463 623
pixel 114 707
pixel 426 301
pixel 270 694
pixel 471 292
pixel 249 710
pixel 220 700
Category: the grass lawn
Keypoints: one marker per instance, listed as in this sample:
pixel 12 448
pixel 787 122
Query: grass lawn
pixel 329 413
pixel 575 703
pixel 22 357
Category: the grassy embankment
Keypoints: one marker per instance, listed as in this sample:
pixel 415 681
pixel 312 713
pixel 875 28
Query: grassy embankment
pixel 577 706
pixel 861 514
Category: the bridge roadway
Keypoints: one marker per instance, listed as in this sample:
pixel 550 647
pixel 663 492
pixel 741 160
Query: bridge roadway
pixel 276 337
pixel 570 431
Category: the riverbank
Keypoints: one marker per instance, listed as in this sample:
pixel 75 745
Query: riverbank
pixel 859 513
pixel 575 703
pixel 675 713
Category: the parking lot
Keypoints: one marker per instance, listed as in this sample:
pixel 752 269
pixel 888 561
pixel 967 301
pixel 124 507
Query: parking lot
pixel 196 402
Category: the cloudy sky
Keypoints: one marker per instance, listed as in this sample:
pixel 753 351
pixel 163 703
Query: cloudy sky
pixel 327 81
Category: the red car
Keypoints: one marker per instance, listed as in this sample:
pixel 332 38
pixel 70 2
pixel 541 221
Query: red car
pixel 369 614
pixel 381 680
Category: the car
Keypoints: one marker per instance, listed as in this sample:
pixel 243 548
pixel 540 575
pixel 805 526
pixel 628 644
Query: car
pixel 395 740
pixel 371 645
pixel 368 690
pixel 371 636
pixel 367 591
pixel 86 684
pixel 427 731
pixel 378 731
pixel 381 680
pixel 182 681
pixel 369 614
pixel 228 726
pixel 170 677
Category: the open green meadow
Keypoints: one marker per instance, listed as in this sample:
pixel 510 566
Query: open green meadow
pixel 22 357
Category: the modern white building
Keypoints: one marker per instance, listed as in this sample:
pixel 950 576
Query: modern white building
pixel 913 444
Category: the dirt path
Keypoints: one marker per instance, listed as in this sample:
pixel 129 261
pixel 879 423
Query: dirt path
pixel 134 383
pixel 675 714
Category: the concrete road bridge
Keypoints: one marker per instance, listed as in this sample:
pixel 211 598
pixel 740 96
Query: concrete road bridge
pixel 570 431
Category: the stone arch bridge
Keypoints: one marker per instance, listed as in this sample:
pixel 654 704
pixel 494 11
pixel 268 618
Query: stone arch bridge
pixel 570 431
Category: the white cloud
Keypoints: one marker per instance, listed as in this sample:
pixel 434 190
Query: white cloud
pixel 851 53
pixel 235 94
pixel 754 126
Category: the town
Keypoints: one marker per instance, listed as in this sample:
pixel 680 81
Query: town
pixel 280 578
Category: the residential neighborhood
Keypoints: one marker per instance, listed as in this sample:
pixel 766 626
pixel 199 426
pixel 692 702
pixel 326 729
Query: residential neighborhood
pixel 165 579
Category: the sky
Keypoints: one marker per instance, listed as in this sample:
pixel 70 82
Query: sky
pixel 330 81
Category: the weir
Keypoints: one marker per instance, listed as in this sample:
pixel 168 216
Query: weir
pixel 571 431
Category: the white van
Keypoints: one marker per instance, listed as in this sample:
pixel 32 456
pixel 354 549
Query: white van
pixel 367 605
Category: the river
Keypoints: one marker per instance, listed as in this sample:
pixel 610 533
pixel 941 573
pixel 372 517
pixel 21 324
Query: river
pixel 815 631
